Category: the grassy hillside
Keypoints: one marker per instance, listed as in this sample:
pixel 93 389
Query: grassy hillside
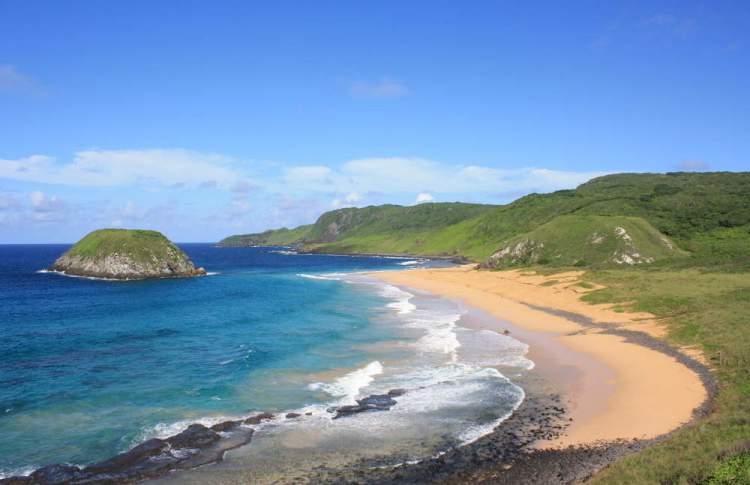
pixel 140 245
pixel 273 237
pixel 707 310
pixel 577 240
pixel 432 229
pixel 689 208
pixel 706 214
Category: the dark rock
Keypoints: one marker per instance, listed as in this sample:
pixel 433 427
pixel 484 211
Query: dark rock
pixel 15 481
pixel 258 418
pixel 376 402
pixel 292 415
pixel 124 460
pixel 56 474
pixel 225 426
pixel 396 392
pixel 196 436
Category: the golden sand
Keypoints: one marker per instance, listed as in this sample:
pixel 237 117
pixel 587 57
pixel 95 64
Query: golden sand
pixel 616 389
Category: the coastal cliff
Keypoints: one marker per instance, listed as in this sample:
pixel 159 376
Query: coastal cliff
pixel 126 254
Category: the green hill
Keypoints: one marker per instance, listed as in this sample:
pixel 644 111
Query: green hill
pixel 273 237
pixel 126 254
pixel 420 229
pixel 573 240
pixel 705 214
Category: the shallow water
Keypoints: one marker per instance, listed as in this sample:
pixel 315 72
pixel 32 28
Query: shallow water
pixel 91 368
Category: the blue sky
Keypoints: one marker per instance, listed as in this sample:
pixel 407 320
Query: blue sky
pixel 203 119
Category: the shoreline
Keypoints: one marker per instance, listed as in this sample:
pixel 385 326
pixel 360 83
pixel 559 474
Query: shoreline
pixel 548 437
pixel 633 391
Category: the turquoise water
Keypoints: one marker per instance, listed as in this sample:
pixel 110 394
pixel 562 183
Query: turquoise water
pixel 90 368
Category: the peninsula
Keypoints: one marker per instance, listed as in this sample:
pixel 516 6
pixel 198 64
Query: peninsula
pixel 126 254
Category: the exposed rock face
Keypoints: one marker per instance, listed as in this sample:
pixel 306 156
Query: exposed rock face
pixel 125 254
pixel 120 266
pixel 628 254
pixel 526 251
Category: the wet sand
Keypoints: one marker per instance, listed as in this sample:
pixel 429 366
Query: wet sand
pixel 617 386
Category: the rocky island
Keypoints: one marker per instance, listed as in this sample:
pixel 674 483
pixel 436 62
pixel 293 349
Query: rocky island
pixel 126 254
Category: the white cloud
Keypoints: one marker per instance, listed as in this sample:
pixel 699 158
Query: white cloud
pixel 424 197
pixel 308 174
pixel 350 200
pixel 43 203
pixel 386 88
pixel 47 208
pixel 239 207
pixel 409 175
pixel 106 168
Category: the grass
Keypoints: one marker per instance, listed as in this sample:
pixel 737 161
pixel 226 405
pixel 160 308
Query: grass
pixel 732 471
pixel 586 240
pixel 707 310
pixel 274 237
pixel 139 245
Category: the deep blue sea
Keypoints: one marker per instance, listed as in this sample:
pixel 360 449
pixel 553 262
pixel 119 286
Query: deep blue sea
pixel 89 368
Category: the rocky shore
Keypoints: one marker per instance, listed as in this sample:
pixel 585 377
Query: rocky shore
pixel 196 446
pixel 505 456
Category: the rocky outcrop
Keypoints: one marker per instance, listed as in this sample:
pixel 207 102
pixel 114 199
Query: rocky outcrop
pixel 628 253
pixel 126 255
pixel 122 267
pixel 526 251
pixel 194 447
pixel 375 402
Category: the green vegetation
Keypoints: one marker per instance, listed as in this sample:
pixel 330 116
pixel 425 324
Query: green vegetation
pixel 733 471
pixel 707 311
pixel 705 214
pixel 139 245
pixel 573 240
pixel 273 237
pixel 433 229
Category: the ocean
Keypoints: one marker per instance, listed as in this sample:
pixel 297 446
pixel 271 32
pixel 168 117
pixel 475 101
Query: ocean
pixel 90 368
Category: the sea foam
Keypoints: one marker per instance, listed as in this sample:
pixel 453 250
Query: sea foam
pixel 347 387
pixel 401 304
pixel 326 276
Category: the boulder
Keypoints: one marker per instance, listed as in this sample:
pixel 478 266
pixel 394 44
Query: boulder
pixel 195 436
pixel 259 418
pixel 129 458
pixel 225 426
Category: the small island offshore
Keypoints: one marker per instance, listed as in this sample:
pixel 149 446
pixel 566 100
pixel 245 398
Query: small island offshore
pixel 126 254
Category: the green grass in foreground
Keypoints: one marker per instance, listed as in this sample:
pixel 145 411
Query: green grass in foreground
pixel 711 311
pixel 734 470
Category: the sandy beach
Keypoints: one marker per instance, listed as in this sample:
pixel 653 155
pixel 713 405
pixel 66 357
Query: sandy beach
pixel 616 387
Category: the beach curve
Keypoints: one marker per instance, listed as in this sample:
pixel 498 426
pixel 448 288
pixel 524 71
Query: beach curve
pixel 618 388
